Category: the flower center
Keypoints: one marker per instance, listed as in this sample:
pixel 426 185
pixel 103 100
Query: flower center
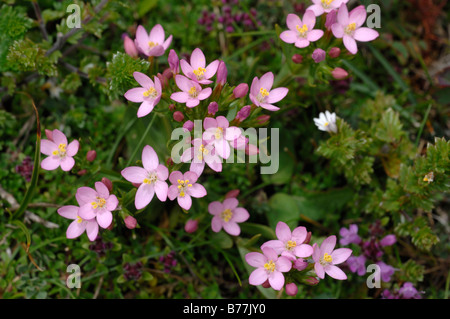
pixel 202 151
pixel 326 124
pixel 263 93
pixel 61 151
pixel 270 266
pixel 429 177
pixel 199 73
pixel 152 44
pixel 193 92
pixel 291 244
pixel 226 215
pixel 151 92
pixel 303 30
pixel 350 28
pixel 326 3
pixel 99 203
pixel 79 220
pixel 326 259
pixel 219 133
pixel 151 178
pixel 182 186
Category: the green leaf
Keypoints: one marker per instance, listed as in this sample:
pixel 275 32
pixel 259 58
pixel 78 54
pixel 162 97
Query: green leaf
pixel 145 6
pixel 283 207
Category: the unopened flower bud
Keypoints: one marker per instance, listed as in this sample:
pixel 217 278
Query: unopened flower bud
pixel 130 47
pixel 164 81
pixel 91 155
pixel 172 107
pixel 174 62
pixel 82 172
pixel 339 73
pixel 243 113
pixel 169 162
pixel 168 74
pixel 334 52
pixel 232 194
pixel 308 238
pixel 49 134
pixel 318 55
pixel 291 289
pixel 263 119
pixel 331 19
pixel 266 284
pixel 311 281
pixel 188 125
pixel 107 183
pixel 240 91
pixel 300 264
pixel 297 58
pixel 213 107
pixel 222 73
pixel 191 226
pixel 389 240
pixel 130 222
pixel 178 116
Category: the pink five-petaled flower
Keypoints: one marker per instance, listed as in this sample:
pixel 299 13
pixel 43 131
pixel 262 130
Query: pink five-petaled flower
pixel 197 69
pixel 219 133
pixel 321 6
pixel 227 215
pixel 262 95
pixel 79 225
pixel 191 92
pixel 200 154
pixel 153 44
pixel 96 203
pixel 59 153
pixel 269 267
pixel 183 187
pixel 151 178
pixel 149 93
pixel 290 245
pixel 301 32
pixel 326 259
pixel 349 28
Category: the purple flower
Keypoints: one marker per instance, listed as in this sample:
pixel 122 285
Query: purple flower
pixel 326 259
pixel 301 32
pixel 350 235
pixel 357 264
pixel 409 292
pixel 318 55
pixel 389 240
pixel 386 271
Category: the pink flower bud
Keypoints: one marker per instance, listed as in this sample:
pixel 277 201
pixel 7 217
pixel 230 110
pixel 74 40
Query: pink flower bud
pixel 251 149
pixel 222 73
pixel 163 79
pixel 300 264
pixel 263 119
pixel 240 91
pixel 389 240
pixel 297 58
pixel 243 113
pixel 339 73
pixel 178 116
pixel 167 74
pixel 91 155
pixel 334 52
pixel 188 125
pixel 291 289
pixel 49 134
pixel 130 47
pixel 82 172
pixel 331 19
pixel 232 194
pixel 318 55
pixel 213 107
pixel 266 284
pixel 169 162
pixel 174 62
pixel 308 238
pixel 172 107
pixel 130 222
pixel 311 281
pixel 107 183
pixel 191 226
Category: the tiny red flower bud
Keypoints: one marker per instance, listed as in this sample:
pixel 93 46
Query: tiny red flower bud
pixel 130 222
pixel 191 226
pixel 82 172
pixel 334 52
pixel 91 155
pixel 232 194
pixel 297 58
pixel 178 116
pixel 107 183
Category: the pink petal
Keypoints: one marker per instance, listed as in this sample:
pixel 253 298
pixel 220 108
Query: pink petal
pixel 232 228
pixel 112 202
pixel 292 21
pixel 167 43
pixel 69 211
pixel 266 81
pixel 67 163
pixel 141 38
pixel 185 202
pixel 135 95
pixel 204 94
pixel 328 245
pixel 187 68
pixel 255 259
pixel 149 158
pixel 134 174
pixel 188 155
pixel 350 44
pixel 157 34
pixel 50 163
pixel 222 122
pixel 158 86
pixel 197 191
pixel 145 108
pixel 232 133
pixel 283 232
pixel 365 34
pixel 197 59
pixel 317 9
pixel 340 255
pixel 303 251
pixel 338 30
pixel 102 190
pixel 175 176
pixel 358 16
pixel 143 80
pixel 197 168
pixel 75 229
pixel 209 122
pixel 269 107
pixel 172 193
pixel 104 218
pixel 191 177
pixel 318 268
pixel 335 272
pixel 309 18
pixel 276 280
pixel 302 43
pixel 257 277
pixel 342 16
pixel 240 215
pixel 230 203
pixel 270 253
pixel 316 253
pixel 161 190
pixel 91 229
pixel 59 137
pixel 47 147
pixel 180 97
pixel 86 211
pixel 222 148
pixel 72 148
pixel 216 224
pixel 215 208
pixel 254 88
pixel 144 195
pixel 211 69
pixel 283 264
pixel 315 35
pixel 162 172
pixel 299 234
pixel 288 36
pixel 183 82
pixel 277 95
pixel 276 245
pixel 214 163
pixel 85 195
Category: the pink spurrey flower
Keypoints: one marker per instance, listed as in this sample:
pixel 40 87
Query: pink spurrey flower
pixel 200 154
pixel 219 133
pixel 151 178
pixel 325 6
pixel 79 225
pixel 59 152
pixel 149 94
pixel 96 203
pixel 184 187
pixel 153 44
pixel 301 33
pixel 268 267
pixel 326 258
pixel 191 92
pixel 227 215
pixel 197 69
pixel 261 93
pixel 349 28
pixel 290 244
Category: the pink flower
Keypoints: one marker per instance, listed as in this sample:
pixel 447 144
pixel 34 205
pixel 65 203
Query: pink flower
pixel 222 73
pixel 191 92
pixel 291 289
pixel 174 62
pixel 183 187
pixel 151 178
pixel 79 225
pixel 326 259
pixel 227 215
pixel 321 6
pixel 59 153
pixel 262 95
pixel 349 28
pixel 301 32
pixel 153 44
pixel 197 69
pixel 130 47
pixel 200 154
pixel 96 203
pixel 149 93
pixel 219 133
pixel 289 244
pixel 268 267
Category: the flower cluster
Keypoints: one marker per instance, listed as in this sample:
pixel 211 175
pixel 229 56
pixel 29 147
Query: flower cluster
pixel 407 291
pixel 292 254
pixel 229 18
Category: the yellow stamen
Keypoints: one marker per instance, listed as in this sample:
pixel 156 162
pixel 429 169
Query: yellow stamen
pixel 326 3
pixel 302 30
pixel 79 220
pixel 350 28
pixel 291 244
pixel 202 151
pixel 219 133
pixel 182 185
pixel 326 124
pixel 99 203
pixel 199 72
pixel 270 266
pixel 327 258
pixel 263 92
pixel 226 215
pixel 61 151
pixel 150 92
pixel 193 92
pixel 152 44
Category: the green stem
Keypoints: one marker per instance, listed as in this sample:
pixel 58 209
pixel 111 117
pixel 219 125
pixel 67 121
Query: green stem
pixel 141 141
pixel 425 118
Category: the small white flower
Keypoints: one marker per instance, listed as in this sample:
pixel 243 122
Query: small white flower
pixel 326 122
